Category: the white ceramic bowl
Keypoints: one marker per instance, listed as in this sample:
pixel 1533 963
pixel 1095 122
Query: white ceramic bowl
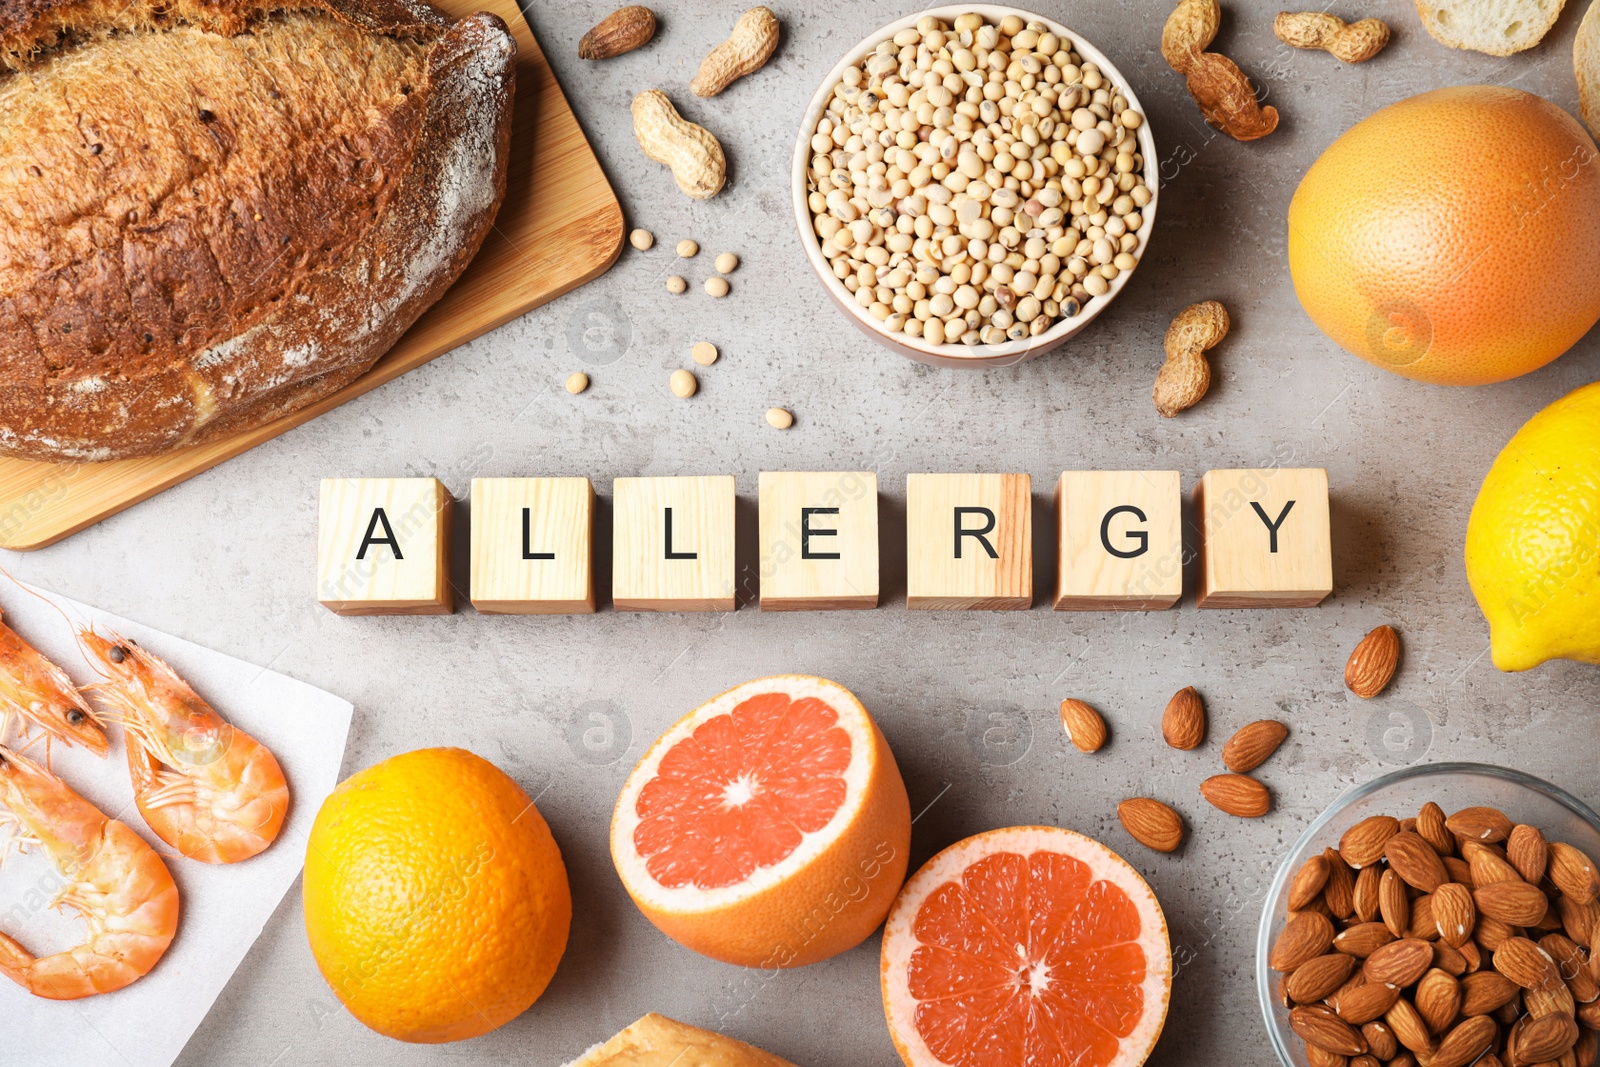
pixel 959 355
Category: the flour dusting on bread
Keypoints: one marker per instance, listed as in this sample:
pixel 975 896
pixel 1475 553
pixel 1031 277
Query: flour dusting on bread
pixel 253 234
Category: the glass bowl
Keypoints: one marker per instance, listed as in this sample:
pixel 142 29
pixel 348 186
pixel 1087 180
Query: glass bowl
pixel 1453 786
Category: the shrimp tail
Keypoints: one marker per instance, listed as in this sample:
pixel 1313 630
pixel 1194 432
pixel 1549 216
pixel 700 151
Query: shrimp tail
pixel 16 962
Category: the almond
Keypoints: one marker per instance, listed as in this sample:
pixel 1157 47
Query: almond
pixel 1362 844
pixel 1308 881
pixel 1450 959
pixel 1281 992
pixel 1469 1040
pixel 1458 870
pixel 1414 860
pixel 1237 794
pixel 1408 1027
pixel 1573 872
pixel 1319 1057
pixel 1516 903
pixel 1471 958
pixel 1438 998
pixel 1453 913
pixel 1526 964
pixel 1579 920
pixel 1364 897
pixel 1373 662
pixel 1151 823
pixel 1363 939
pixel 1364 1003
pixel 1321 1027
pixel 1340 890
pixel 1589 1015
pixel 1485 991
pixel 1399 963
pixel 1183 724
pixel 1528 852
pixel 1422 924
pixel 1479 824
pixel 621 31
pixel 1491 932
pixel 1488 866
pixel 1543 1040
pixel 1573 965
pixel 1380 1040
pixel 1318 905
pixel 1430 824
pixel 1303 939
pixel 1250 747
pixel 1393 903
pixel 1086 729
pixel 1317 978
pixel 1557 1000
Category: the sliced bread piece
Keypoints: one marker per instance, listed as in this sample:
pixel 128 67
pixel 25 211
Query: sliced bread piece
pixel 657 1041
pixel 1586 64
pixel 1495 27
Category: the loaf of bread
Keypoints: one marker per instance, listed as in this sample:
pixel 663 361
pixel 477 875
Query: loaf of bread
pixel 216 212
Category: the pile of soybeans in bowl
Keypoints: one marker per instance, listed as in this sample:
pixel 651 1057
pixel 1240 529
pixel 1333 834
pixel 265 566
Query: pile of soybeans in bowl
pixel 976 182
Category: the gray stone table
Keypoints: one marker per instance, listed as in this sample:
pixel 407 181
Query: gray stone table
pixel 227 559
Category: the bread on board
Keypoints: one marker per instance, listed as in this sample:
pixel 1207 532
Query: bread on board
pixel 216 212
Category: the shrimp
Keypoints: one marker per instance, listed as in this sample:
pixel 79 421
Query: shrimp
pixel 206 788
pixel 40 694
pixel 119 885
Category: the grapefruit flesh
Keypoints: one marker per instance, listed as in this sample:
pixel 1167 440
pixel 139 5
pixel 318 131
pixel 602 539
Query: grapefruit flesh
pixel 1031 945
pixel 768 828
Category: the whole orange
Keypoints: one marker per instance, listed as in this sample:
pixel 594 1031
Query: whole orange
pixel 1453 237
pixel 435 898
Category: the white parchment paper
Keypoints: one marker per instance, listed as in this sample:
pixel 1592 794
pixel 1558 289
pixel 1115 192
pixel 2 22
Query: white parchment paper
pixel 223 908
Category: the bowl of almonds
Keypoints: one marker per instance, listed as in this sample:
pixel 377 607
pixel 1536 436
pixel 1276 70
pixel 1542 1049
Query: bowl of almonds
pixel 1439 916
pixel 974 185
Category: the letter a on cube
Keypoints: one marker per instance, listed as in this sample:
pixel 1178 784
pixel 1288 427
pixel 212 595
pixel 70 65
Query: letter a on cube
pixel 383 546
pixel 969 541
pixel 1121 540
pixel 1265 539
pixel 819 540
pixel 672 544
pixel 532 546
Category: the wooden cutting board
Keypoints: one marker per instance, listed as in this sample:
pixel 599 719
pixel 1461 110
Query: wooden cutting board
pixel 560 226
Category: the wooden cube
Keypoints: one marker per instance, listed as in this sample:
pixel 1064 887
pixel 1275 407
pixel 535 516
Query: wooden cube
pixel 532 546
pixel 1264 538
pixel 673 544
pixel 1120 540
pixel 383 546
pixel 969 541
pixel 819 540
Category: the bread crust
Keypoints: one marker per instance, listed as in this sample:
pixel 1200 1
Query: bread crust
pixel 352 293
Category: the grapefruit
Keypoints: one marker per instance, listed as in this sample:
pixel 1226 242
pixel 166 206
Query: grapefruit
pixel 1030 945
pixel 435 899
pixel 768 827
pixel 1453 237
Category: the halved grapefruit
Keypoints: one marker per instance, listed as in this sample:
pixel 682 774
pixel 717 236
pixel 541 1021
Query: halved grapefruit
pixel 768 827
pixel 1030 945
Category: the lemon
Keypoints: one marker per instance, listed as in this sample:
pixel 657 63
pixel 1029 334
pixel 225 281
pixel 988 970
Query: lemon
pixel 1533 541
